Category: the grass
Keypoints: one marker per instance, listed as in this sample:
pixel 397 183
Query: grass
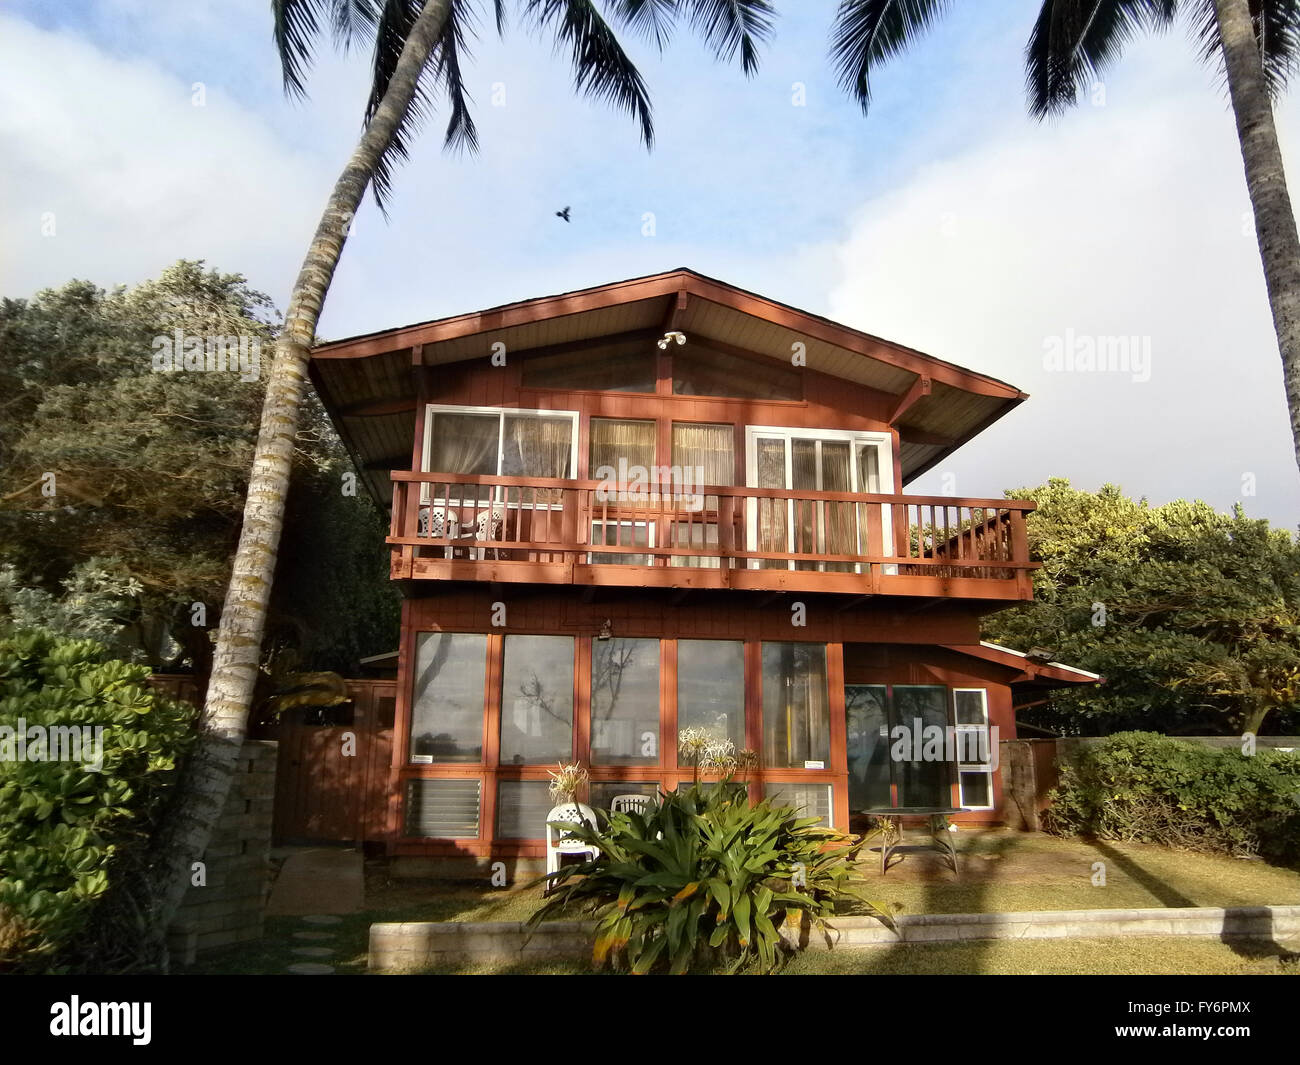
pixel 1002 871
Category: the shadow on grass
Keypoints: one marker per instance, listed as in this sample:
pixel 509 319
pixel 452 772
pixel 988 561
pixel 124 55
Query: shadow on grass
pixel 896 956
pixel 1167 894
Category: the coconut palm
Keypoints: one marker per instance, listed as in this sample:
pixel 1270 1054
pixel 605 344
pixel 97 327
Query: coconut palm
pixel 1257 43
pixel 418 51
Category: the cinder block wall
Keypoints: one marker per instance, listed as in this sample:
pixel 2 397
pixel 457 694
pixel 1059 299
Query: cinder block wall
pixel 230 907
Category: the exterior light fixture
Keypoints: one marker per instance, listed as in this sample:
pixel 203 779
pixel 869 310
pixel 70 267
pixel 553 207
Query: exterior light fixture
pixel 669 337
pixel 606 630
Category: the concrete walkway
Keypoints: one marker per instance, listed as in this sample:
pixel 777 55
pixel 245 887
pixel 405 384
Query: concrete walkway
pixel 318 880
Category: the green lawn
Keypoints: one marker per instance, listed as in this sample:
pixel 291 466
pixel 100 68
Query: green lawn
pixel 1002 871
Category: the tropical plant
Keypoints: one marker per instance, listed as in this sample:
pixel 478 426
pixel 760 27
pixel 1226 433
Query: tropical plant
pixel 1256 41
pixel 77 819
pixel 418 49
pixel 566 782
pixel 705 877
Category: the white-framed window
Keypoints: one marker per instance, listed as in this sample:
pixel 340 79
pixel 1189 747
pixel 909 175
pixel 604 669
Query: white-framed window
pixel 621 533
pixel 823 460
pixel 811 800
pixel 974 752
pixel 500 441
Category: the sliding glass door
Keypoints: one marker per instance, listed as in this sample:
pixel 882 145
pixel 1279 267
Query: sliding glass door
pixel 803 460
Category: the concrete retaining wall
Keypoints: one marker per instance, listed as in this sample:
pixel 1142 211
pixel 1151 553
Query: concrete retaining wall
pixel 422 945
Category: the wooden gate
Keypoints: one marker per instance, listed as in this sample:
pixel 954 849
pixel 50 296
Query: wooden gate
pixel 331 781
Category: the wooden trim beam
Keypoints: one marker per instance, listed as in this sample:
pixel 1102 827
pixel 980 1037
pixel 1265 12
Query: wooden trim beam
pixel 920 388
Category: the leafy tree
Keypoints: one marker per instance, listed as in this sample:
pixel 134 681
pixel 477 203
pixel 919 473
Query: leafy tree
pixel 1192 616
pixel 149 478
pixel 1256 43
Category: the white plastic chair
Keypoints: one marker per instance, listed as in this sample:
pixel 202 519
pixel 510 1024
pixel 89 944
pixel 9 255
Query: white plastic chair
pixel 559 842
pixel 626 804
pixel 436 523
pixel 487 526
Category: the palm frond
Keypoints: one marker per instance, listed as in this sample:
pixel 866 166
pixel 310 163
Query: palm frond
pixel 443 70
pixel 1074 40
pixel 297 24
pixel 601 69
pixel 651 19
pixel 295 29
pixel 867 32
pixel 731 25
pixel 1277 30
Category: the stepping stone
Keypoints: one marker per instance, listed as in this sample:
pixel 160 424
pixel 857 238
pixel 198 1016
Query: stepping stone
pixel 312 952
pixel 322 919
pixel 311 968
pixel 313 935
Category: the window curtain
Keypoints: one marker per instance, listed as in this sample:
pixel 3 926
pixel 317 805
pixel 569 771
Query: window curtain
pixel 613 439
pixel 707 455
pixel 772 534
pixel 710 448
pixel 463 443
pixel 869 482
pixel 537 447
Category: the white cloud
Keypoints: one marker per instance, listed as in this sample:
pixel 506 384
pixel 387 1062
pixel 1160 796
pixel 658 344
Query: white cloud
pixel 1115 221
pixel 135 174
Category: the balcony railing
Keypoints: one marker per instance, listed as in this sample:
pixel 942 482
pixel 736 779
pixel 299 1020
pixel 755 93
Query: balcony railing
pixel 467 527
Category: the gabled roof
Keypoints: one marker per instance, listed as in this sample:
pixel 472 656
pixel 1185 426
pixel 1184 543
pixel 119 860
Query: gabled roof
pixel 367 385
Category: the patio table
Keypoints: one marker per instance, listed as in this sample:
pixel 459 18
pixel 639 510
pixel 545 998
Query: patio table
pixel 892 839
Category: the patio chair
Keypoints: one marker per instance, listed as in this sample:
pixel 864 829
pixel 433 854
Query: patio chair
pixel 632 803
pixel 559 842
pixel 437 524
pixel 488 525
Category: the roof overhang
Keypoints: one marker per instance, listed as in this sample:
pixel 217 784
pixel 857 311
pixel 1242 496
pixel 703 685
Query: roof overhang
pixel 367 383
pixel 1031 673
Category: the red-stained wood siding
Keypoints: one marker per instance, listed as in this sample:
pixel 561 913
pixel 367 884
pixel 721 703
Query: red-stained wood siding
pixel 854 640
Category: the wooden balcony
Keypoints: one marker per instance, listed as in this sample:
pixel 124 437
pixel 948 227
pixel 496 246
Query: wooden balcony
pixel 536 530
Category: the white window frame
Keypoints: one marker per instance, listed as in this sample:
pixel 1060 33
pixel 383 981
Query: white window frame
pixel 883 442
pixel 972 767
pixel 604 523
pixel 433 409
pixel 804 811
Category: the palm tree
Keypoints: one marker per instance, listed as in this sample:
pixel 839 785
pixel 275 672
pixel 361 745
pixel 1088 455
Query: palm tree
pixel 418 50
pixel 1257 42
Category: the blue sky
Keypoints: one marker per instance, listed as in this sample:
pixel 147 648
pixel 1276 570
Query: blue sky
pixel 947 219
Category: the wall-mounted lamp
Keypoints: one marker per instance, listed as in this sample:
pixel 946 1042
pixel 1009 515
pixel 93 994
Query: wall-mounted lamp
pixel 669 337
pixel 606 630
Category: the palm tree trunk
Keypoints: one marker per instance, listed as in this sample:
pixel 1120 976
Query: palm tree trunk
pixel 224 721
pixel 1275 226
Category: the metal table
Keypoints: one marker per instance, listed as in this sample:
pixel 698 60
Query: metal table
pixel 892 830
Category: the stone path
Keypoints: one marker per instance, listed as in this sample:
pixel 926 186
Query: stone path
pixel 318 881
pixel 321 967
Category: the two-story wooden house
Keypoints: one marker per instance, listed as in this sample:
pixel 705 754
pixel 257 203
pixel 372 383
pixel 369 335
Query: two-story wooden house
pixel 667 503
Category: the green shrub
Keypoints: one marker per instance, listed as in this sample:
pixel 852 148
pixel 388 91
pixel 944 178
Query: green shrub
pixel 705 877
pixel 67 832
pixel 1149 788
